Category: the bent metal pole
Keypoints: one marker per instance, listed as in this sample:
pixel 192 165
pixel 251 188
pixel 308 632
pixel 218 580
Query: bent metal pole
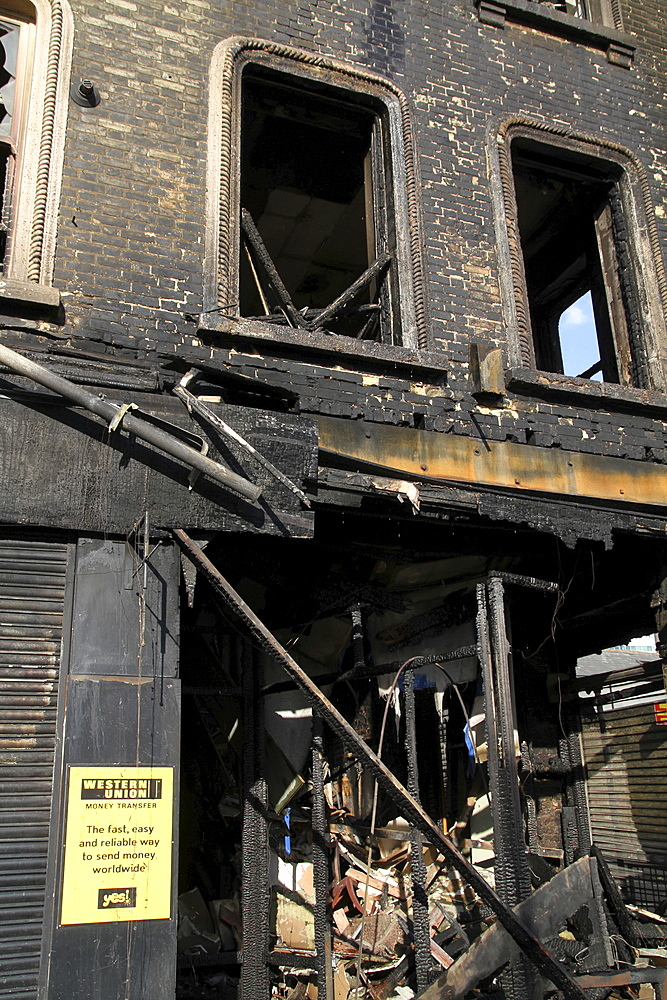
pixel 133 425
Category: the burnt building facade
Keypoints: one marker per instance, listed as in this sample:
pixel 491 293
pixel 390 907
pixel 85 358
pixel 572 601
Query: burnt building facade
pixel 309 506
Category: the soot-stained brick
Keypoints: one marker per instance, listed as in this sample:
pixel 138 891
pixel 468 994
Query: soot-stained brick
pixel 130 249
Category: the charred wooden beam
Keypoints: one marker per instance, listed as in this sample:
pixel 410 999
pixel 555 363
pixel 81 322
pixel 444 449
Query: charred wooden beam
pixel 325 989
pixel 512 874
pixel 340 304
pixel 543 912
pixel 263 257
pixel 377 669
pixel 255 897
pixel 420 907
pixel 616 904
pixel 628 977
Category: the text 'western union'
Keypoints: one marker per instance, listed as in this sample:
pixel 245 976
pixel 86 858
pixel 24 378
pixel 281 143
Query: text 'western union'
pixel 121 788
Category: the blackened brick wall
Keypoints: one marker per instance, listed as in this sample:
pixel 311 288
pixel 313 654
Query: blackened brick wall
pixel 130 247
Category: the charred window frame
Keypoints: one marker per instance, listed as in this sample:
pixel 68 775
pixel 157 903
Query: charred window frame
pixel 578 8
pixel 36 41
pixel 316 182
pixel 599 11
pixel 574 241
pixel 578 219
pixel 312 192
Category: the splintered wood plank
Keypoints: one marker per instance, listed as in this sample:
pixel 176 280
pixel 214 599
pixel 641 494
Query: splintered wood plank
pixel 542 914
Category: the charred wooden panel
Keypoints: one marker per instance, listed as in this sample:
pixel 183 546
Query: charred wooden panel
pixel 117 721
pixel 106 634
pixel 121 708
pixel 62 467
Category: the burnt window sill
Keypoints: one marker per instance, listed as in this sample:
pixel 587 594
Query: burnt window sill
pixel 586 393
pixel 321 346
pixel 29 293
pixel 619 47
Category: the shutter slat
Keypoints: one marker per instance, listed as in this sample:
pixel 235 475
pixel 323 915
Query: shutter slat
pixel 32 594
pixel 626 763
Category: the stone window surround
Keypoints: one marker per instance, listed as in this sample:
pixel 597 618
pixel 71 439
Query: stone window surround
pixel 29 271
pixel 645 246
pixel 618 46
pixel 220 311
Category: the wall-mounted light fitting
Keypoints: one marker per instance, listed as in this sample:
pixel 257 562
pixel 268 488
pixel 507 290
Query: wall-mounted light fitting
pixel 86 94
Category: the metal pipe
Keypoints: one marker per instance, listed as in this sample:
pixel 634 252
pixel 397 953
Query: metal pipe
pixel 133 425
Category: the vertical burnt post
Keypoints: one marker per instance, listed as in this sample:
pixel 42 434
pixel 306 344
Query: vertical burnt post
pixel 575 787
pixel 420 921
pixel 512 873
pixel 255 871
pixel 119 712
pixel 321 867
pixel 444 768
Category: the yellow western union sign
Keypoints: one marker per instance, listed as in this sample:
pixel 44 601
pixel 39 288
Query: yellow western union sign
pixel 118 845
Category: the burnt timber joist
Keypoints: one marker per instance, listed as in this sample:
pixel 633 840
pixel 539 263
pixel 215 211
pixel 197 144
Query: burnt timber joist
pixel 543 912
pixel 413 811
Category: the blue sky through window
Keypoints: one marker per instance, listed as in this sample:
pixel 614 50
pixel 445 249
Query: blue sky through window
pixel 578 338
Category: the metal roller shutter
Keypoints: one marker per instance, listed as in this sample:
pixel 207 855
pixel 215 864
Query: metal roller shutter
pixel 626 762
pixel 32 594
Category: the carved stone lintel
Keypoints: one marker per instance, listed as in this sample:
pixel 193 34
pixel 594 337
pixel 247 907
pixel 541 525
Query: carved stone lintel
pixel 491 13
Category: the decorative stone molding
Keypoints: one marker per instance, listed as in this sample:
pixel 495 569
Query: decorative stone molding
pixel 222 239
pixel 641 224
pixel 619 47
pixel 37 190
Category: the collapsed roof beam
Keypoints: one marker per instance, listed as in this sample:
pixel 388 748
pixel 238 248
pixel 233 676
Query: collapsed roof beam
pixel 412 810
pixel 258 249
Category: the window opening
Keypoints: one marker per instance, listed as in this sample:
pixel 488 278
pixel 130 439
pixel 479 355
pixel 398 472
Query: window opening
pixel 578 340
pixel 574 242
pixel 317 237
pixel 16 45
pixel 575 7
